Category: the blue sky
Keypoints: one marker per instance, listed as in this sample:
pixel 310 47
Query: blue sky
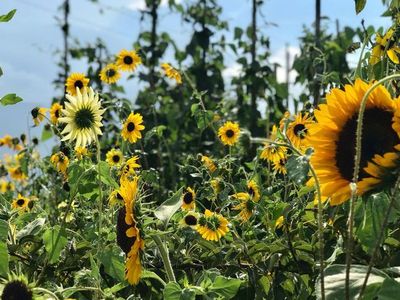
pixel 30 40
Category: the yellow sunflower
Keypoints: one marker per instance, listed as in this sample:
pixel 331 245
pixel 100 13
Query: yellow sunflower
pixel 279 222
pixel 60 161
pixel 253 190
pixel 171 73
pixel 16 173
pixel 246 206
pixel 297 130
pixel 128 60
pixel 229 133
pixel 388 44
pixel 279 166
pixel 132 127
pixel 55 112
pixel 114 157
pixel 216 185
pixel 80 152
pixel 22 203
pixel 6 141
pixel 189 220
pixel 208 163
pixel 6 186
pixel 115 198
pixel 76 81
pixel 129 167
pixel 83 115
pixel 110 74
pixel 333 138
pixel 38 114
pixel 212 226
pixel 189 199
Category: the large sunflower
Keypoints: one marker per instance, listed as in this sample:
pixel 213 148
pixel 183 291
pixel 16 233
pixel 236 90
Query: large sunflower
pixel 82 114
pixel 297 130
pixel 333 138
pixel 74 81
pixel 229 133
pixel 110 74
pixel 132 127
pixel 128 60
pixel 212 226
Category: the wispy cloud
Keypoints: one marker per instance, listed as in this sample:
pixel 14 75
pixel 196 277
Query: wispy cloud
pixel 141 4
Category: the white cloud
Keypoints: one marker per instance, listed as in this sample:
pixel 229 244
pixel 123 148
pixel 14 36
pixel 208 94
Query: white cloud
pixel 233 70
pixel 279 57
pixel 141 4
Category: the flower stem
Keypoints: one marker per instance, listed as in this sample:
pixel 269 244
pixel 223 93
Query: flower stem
pixel 100 206
pixel 165 258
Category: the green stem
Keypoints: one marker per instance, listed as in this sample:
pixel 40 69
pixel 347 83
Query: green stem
pixel 45 291
pixel 165 258
pixel 100 206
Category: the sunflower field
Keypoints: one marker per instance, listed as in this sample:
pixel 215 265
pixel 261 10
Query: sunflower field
pixel 199 188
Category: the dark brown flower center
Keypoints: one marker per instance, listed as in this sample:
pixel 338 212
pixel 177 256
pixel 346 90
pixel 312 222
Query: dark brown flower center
pixel 188 198
pixel 123 241
pixel 20 202
pixel 35 112
pixel 110 73
pixel 300 130
pixel 190 220
pixel 131 126
pixel 115 158
pixel 16 290
pixel 78 84
pixel 229 133
pixel 128 60
pixel 57 113
pixel 84 118
pixel 378 137
pixel 251 191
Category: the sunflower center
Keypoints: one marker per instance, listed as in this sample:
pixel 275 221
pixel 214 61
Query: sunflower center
pixel 17 289
pixel 57 113
pixel 188 198
pixel 131 126
pixel 35 112
pixel 110 73
pixel 115 158
pixel 251 191
pixel 78 84
pixel 84 118
pixel 191 220
pixel 128 60
pixel 229 133
pixel 378 137
pixel 123 241
pixel 300 130
pixel 20 202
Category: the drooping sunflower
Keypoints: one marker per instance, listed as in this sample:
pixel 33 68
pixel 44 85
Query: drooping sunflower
pixel 80 152
pixel 55 112
pixel 6 186
pixel 129 167
pixel 246 206
pixel 22 203
pixel 387 44
pixel 189 199
pixel 115 198
pixel 273 152
pixel 171 73
pixel 16 173
pixel 61 162
pixel 83 115
pixel 110 74
pixel 208 163
pixel 297 130
pixel 333 138
pixel 114 157
pixel 128 60
pixel 189 220
pixel 216 185
pixel 279 166
pixel 212 226
pixel 229 133
pixel 132 127
pixel 38 114
pixel 6 141
pixel 76 81
pixel 253 190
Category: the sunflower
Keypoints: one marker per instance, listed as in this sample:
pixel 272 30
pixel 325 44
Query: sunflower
pixel 128 60
pixel 279 222
pixel 212 226
pixel 189 220
pixel 55 112
pixel 229 133
pixel 17 288
pixel 216 185
pixel 271 151
pixel 189 199
pixel 279 166
pixel 80 152
pixel 333 138
pixel 6 141
pixel 132 127
pixel 22 203
pixel 115 198
pixel 60 161
pixel 246 206
pixel 83 115
pixel 6 186
pixel 387 44
pixel 297 130
pixel 114 157
pixel 129 167
pixel 38 114
pixel 76 81
pixel 253 190
pixel 208 163
pixel 110 74
pixel 171 73
pixel 16 173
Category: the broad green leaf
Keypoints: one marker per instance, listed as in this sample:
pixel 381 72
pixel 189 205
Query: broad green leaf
pixel 54 242
pixel 4 257
pixel 151 275
pixel 3 230
pixel 95 271
pixel 46 134
pixel 113 264
pixel 389 290
pixel 297 168
pixel 165 211
pixel 226 287
pixel 10 99
pixel 8 16
pixel 360 4
pixel 106 176
pixel 173 291
pixel 335 277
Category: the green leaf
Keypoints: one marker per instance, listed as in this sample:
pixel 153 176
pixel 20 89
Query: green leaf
pixel 151 275
pixel 113 264
pixel 389 290
pixel 10 99
pixel 46 134
pixel 8 16
pixel 4 258
pixel 297 168
pixel 106 176
pixel 360 4
pixel 226 287
pixel 54 241
pixel 165 211
pixel 31 229
pixel 95 271
pixel 335 277
pixel 173 291
pixel 3 230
